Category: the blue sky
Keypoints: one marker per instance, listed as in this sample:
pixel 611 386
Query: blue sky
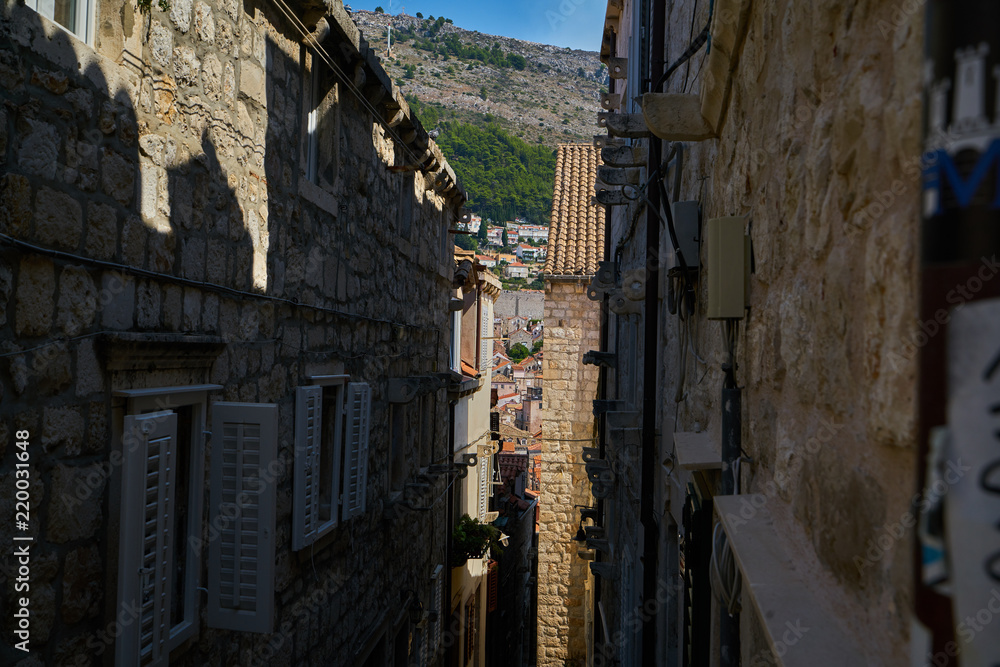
pixel 577 24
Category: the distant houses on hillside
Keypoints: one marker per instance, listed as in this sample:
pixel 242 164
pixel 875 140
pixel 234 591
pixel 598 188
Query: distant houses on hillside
pixel 516 233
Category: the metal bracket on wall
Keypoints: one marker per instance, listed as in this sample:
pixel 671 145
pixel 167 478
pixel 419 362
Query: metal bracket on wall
pixel 598 358
pixel 603 570
pixel 629 419
pixel 599 470
pixel 618 68
pixel 604 546
pixel 624 156
pixel 624 125
pixel 604 141
pixel 619 175
pixel 602 406
pixel 610 101
pixel 622 305
pixel 603 282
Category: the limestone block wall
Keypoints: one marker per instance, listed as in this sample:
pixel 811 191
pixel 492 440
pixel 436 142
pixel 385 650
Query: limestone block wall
pixel 821 147
pixel 564 581
pixel 525 304
pixel 175 192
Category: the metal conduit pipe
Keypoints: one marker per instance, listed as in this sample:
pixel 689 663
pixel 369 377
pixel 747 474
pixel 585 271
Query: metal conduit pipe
pixel 651 345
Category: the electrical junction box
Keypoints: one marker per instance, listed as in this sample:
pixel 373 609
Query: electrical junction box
pixel 685 215
pixel 727 262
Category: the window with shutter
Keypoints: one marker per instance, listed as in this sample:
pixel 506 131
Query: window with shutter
pixel 485 477
pixel 485 333
pixel 323 127
pixel 493 586
pixel 146 561
pixel 185 407
pixel 319 426
pixel 437 613
pixel 241 555
pixel 357 427
pixel 471 625
pixel 308 432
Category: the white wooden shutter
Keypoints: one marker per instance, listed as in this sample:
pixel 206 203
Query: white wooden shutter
pixel 437 601
pixel 359 405
pixel 308 432
pixel 485 334
pixel 485 479
pixel 241 555
pixel 146 558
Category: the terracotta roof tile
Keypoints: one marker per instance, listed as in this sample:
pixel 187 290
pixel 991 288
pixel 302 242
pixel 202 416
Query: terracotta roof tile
pixel 576 233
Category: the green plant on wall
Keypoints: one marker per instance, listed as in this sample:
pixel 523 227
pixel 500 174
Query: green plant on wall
pixel 471 539
pixel 144 6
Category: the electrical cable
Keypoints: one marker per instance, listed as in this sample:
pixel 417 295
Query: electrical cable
pixel 727 581
pixel 188 282
pixel 340 74
pixel 703 37
pixel 687 70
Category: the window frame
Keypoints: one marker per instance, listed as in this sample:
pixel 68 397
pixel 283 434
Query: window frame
pixel 85 19
pixel 313 99
pixel 221 613
pixel 300 538
pixel 141 402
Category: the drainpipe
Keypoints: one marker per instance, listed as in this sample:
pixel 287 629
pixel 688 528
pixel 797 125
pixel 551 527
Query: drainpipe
pixel 650 366
pixel 732 435
pixel 960 229
pixel 598 638
pixel 445 612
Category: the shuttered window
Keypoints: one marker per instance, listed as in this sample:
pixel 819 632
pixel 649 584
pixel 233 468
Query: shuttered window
pixel 357 425
pixel 241 516
pixel 485 334
pixel 437 613
pixel 492 586
pixel 471 625
pixel 319 426
pixel 146 560
pixel 162 494
pixel 485 479
pixel 308 430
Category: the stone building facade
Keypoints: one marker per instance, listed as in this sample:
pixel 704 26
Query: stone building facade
pixel 521 303
pixel 471 493
pixel 799 119
pixel 224 255
pixel 565 592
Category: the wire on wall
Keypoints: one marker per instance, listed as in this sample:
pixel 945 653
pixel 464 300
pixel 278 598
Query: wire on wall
pixel 211 287
pixel 342 76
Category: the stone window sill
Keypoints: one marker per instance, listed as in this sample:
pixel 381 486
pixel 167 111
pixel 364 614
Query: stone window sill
pixel 318 196
pixel 786 584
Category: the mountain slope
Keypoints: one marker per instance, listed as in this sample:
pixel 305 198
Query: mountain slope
pixel 542 94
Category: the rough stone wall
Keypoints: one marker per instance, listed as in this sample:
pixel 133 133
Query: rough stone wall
pixel 185 179
pixel 564 579
pixel 821 147
pixel 525 304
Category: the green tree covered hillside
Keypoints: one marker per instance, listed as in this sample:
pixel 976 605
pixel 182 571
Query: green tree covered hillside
pixel 503 176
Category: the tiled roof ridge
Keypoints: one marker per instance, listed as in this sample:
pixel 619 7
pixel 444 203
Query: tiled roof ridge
pixel 576 231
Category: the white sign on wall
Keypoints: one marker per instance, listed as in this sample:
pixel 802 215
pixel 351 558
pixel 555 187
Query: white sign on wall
pixel 973 502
